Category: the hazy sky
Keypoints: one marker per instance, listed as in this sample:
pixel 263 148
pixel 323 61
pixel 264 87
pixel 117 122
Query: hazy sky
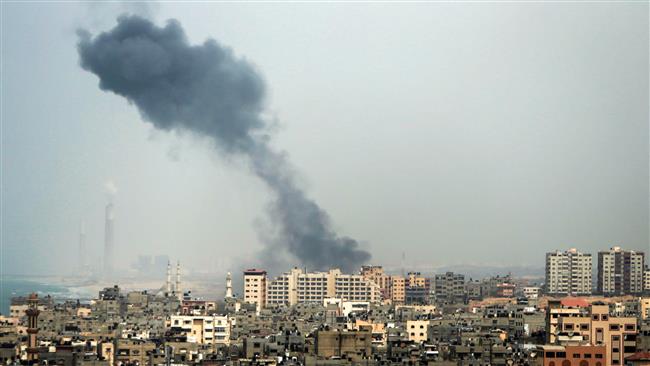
pixel 475 133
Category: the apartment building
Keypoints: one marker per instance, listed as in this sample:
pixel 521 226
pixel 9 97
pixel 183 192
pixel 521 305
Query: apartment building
pixel 449 288
pixel 376 274
pixel 212 330
pixel 397 289
pixel 576 324
pixel 297 286
pixel 620 272
pixel 646 280
pixel 418 289
pixel 416 330
pixel 255 283
pixel 579 355
pixel 568 273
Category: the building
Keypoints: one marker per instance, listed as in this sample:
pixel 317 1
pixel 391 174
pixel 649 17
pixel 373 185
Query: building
pixel 620 272
pixel 376 274
pixel 255 287
pixel 576 324
pixel 568 273
pixel 531 292
pixel 417 289
pixel 297 287
pixel 211 330
pixel 397 289
pixel 417 330
pixel 646 280
pixel 579 355
pixel 449 288
pixel 353 345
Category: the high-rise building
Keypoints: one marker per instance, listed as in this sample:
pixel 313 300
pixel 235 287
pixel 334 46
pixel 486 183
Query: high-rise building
pixel 255 287
pixel 620 272
pixel 646 279
pixel 568 273
pixel 108 240
pixel 296 287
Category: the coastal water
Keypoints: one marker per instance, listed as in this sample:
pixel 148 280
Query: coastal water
pixel 11 287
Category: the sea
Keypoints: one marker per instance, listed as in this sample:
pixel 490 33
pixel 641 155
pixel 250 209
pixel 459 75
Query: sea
pixel 11 287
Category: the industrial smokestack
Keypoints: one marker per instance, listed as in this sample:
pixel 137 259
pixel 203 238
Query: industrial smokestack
pixel 168 284
pixel 177 288
pixel 108 241
pixel 82 248
pixel 209 91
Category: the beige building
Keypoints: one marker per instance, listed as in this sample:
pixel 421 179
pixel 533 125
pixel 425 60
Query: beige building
pixel 594 325
pixel 203 329
pixel 397 291
pixel 568 273
pixel 376 274
pixel 353 345
pixel 417 330
pixel 255 287
pixel 296 287
pixel 644 307
pixel 620 272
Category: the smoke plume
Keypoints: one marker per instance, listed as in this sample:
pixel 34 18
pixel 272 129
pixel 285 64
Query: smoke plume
pixel 206 89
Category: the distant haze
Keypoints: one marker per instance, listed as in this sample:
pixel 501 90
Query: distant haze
pixel 470 134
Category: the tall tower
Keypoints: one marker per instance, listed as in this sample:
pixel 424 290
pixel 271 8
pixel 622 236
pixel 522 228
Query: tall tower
pixel 228 286
pixel 82 248
pixel 108 241
pixel 168 287
pixel 178 289
pixel 32 327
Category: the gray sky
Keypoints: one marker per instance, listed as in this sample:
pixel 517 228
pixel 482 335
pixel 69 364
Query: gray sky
pixel 458 133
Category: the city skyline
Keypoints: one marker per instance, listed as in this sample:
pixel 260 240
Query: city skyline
pixel 441 143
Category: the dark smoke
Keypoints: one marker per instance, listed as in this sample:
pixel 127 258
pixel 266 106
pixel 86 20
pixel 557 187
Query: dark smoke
pixel 206 89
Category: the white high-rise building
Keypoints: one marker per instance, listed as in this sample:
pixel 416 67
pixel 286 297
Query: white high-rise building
pixel 568 273
pixel 297 286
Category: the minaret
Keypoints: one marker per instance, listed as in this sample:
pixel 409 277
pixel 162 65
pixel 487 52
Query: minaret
pixel 32 327
pixel 168 287
pixel 228 286
pixel 108 241
pixel 178 289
